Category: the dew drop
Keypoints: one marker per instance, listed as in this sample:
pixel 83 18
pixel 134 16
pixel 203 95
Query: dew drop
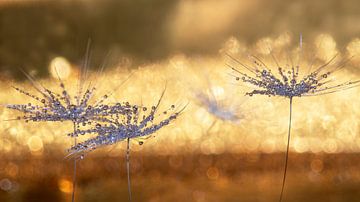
pixel 141 143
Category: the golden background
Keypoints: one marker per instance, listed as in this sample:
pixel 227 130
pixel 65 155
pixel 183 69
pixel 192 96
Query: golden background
pixel 182 44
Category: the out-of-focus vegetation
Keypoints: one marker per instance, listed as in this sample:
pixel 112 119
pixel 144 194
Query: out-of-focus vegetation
pixel 33 32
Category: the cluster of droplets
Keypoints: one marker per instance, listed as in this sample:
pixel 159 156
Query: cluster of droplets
pixel 287 82
pixel 133 122
pixel 110 122
pixel 54 107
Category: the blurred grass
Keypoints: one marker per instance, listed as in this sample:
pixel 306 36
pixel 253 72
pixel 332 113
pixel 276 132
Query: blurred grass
pixel 226 177
pixel 33 32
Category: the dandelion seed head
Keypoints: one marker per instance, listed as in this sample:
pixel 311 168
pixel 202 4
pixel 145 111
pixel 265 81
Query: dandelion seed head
pixel 285 81
pixel 55 107
pixel 132 122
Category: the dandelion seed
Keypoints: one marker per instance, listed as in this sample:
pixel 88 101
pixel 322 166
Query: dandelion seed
pixel 213 98
pixel 287 83
pixel 216 108
pixel 55 107
pixel 51 106
pixel 134 123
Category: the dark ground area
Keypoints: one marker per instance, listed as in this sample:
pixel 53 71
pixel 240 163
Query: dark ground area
pixel 227 177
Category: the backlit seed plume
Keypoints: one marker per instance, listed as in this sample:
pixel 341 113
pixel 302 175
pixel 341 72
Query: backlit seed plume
pixel 286 82
pixel 131 122
pixel 211 95
pixel 135 122
pixel 54 107
pixel 215 101
pixel 216 108
pixel 51 106
pixel 60 107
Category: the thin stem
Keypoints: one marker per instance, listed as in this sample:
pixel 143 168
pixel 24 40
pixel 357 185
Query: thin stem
pixel 287 152
pixel 128 167
pixel 211 126
pixel 74 171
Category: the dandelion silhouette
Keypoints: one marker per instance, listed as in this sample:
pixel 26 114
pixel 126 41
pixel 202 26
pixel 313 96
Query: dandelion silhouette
pixel 132 122
pixel 288 84
pixel 58 107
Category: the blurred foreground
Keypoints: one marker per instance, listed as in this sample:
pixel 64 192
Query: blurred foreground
pixel 226 177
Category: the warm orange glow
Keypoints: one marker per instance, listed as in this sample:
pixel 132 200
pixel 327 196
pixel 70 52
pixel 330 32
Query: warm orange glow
pixel 12 169
pixel 212 173
pixel 317 165
pixel 35 143
pixel 65 185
